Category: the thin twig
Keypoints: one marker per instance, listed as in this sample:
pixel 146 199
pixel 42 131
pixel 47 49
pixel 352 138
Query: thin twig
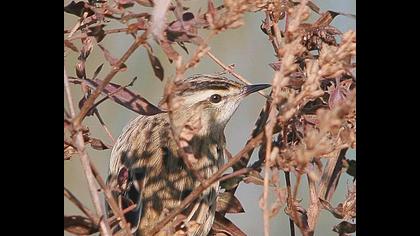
pixel 104 126
pixel 289 201
pixel 80 205
pixel 106 32
pixel 313 208
pixel 268 135
pixel 236 173
pixel 68 94
pixel 232 72
pixel 111 201
pixel 89 102
pixel 84 159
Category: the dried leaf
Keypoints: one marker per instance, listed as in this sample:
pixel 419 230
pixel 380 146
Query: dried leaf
pixel 80 69
pixel 156 65
pixel 123 96
pixel 351 167
pixel 313 6
pixel 97 31
pixel 345 227
pixel 77 9
pixel 337 212
pixel 281 200
pixel 222 225
pixel 146 3
pixel 182 30
pixel 275 65
pixel 69 151
pixel 70 45
pixel 169 50
pixel 97 71
pixel 108 57
pixel 79 225
pixel 226 202
pixel 230 183
pixel 338 93
pixel 97 144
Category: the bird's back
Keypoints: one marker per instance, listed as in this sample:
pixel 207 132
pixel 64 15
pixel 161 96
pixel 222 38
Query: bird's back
pixel 145 169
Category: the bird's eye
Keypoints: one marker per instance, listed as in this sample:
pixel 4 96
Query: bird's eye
pixel 215 98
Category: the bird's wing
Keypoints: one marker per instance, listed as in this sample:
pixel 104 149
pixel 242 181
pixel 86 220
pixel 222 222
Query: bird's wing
pixel 137 151
pixel 125 182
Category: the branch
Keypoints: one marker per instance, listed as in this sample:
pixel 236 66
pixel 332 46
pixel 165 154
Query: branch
pixel 116 68
pixel 111 201
pixel 80 145
pixel 79 204
pixel 327 186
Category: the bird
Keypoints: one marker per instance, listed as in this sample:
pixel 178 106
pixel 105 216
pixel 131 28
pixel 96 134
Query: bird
pixel 145 167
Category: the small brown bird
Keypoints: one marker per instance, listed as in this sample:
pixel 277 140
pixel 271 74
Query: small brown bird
pixel 145 167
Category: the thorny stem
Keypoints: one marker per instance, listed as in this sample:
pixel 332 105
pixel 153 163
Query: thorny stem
pixel 89 102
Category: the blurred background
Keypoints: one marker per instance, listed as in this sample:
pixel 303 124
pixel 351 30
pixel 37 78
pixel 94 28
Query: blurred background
pixel 249 50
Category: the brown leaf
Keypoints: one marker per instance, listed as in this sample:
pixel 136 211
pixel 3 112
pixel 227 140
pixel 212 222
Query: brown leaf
pixel 182 30
pixel 86 48
pixel 156 65
pixel 70 45
pixel 146 3
pixel 97 144
pixel 80 69
pixel 313 6
pixel 337 212
pixel 69 151
pixel 108 57
pixel 77 9
pixel 97 71
pixel 79 225
pixel 123 96
pixel 226 202
pixel 97 31
pixel 345 227
pixel 222 225
pixel 169 50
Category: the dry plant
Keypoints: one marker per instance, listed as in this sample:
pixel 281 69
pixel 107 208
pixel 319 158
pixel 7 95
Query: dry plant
pixel 308 117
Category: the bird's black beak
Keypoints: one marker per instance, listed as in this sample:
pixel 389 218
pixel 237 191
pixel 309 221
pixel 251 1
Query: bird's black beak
pixel 248 89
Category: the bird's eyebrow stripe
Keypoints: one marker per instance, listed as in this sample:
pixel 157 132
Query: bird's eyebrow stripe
pixel 210 85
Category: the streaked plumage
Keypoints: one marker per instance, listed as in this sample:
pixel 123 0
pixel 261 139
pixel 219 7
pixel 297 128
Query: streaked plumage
pixel 145 167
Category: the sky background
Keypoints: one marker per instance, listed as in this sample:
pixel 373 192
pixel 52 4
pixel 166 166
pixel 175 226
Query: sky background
pixel 246 47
